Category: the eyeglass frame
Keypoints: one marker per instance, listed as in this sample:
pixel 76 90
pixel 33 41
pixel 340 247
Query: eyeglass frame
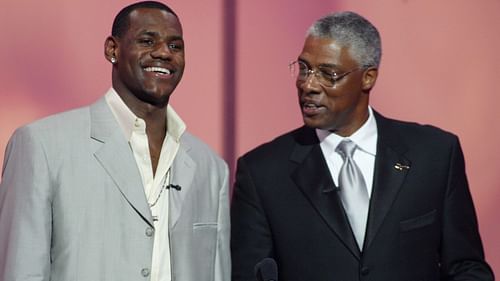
pixel 334 76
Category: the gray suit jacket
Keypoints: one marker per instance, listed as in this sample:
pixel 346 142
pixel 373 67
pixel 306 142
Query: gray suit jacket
pixel 72 205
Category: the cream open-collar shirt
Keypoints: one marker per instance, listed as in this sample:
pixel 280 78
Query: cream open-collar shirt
pixel 364 156
pixel 134 130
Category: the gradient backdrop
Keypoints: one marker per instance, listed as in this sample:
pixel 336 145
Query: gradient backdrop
pixel 440 66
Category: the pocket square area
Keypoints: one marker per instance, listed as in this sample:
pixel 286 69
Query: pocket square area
pixel 418 222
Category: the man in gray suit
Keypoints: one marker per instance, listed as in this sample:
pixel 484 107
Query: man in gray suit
pixel 118 190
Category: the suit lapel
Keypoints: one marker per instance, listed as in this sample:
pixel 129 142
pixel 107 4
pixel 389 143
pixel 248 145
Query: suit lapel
pixel 183 172
pixel 391 168
pixel 115 156
pixel 313 177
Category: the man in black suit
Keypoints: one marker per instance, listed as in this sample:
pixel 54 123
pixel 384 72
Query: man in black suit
pixel 396 206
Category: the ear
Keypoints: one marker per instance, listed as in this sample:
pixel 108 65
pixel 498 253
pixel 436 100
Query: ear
pixel 369 78
pixel 111 49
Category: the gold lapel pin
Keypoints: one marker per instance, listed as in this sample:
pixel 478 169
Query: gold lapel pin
pixel 400 167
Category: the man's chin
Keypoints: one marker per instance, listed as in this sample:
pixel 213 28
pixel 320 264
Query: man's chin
pixel 318 124
pixel 312 123
pixel 157 99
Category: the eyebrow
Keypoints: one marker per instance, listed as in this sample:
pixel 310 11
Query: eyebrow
pixel 156 34
pixel 331 65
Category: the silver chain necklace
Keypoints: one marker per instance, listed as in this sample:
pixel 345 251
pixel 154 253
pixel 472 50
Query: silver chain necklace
pixel 163 187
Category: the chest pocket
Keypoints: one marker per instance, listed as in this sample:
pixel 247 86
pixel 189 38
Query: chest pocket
pixel 418 222
pixel 419 246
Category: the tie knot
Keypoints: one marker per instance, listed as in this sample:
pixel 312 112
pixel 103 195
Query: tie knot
pixel 346 148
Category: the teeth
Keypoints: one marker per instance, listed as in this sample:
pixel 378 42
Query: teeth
pixel 157 69
pixel 310 105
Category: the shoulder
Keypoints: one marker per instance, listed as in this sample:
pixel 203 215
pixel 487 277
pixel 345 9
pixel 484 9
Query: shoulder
pixel 201 152
pixel 414 134
pixel 282 146
pixel 56 125
pixel 46 136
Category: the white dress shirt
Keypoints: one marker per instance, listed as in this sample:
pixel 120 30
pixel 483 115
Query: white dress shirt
pixel 364 156
pixel 134 129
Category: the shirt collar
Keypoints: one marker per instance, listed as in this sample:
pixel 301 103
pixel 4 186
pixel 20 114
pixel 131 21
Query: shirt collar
pixel 127 120
pixel 365 137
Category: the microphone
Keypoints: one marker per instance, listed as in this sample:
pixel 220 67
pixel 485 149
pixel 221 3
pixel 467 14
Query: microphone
pixel 174 186
pixel 266 270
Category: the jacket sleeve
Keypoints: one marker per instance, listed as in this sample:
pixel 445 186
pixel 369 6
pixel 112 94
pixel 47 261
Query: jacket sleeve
pixel 223 256
pixel 25 210
pixel 462 256
pixel 251 239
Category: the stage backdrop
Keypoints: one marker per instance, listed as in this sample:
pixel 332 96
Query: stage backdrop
pixel 439 66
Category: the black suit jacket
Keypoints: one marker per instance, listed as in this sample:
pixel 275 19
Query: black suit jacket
pixel 421 225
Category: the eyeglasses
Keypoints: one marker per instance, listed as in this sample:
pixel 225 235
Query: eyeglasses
pixel 326 76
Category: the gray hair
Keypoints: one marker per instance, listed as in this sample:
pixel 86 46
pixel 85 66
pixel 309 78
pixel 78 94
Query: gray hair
pixel 353 31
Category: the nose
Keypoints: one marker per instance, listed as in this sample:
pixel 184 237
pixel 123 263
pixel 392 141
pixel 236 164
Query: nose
pixel 310 84
pixel 162 51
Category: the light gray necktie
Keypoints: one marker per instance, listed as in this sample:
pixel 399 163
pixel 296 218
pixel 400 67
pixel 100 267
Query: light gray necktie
pixel 353 192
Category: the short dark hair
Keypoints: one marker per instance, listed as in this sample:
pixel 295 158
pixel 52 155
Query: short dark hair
pixel 122 20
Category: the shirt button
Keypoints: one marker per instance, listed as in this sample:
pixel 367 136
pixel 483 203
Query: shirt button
pixel 149 232
pixel 145 272
pixel 365 270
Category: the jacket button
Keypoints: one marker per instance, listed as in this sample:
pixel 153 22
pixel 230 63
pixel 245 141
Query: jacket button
pixel 365 270
pixel 145 272
pixel 149 232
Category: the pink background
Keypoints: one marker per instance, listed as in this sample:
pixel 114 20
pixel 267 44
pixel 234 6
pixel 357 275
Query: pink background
pixel 440 64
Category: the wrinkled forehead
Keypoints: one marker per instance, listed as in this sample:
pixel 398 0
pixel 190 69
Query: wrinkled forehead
pixel 321 50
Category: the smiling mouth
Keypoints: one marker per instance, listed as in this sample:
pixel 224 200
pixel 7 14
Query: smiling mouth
pixel 310 105
pixel 159 70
